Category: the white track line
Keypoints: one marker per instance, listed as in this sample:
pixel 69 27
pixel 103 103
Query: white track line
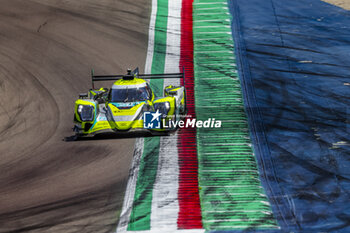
pixel 172 58
pixel 165 205
pixel 152 25
pixel 130 189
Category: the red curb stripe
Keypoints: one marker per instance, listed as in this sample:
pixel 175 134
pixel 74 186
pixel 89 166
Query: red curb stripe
pixel 190 216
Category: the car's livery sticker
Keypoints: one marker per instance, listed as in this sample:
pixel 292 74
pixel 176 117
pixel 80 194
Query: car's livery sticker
pixel 127 104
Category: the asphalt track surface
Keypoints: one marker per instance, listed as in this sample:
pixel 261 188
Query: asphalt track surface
pixel 47 48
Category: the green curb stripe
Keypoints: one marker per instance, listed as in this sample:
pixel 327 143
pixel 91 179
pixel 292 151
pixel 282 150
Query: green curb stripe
pixel 160 46
pixel 230 189
pixel 140 218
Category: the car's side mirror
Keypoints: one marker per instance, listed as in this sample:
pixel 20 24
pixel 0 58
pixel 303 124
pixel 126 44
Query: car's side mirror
pixel 171 93
pixel 83 95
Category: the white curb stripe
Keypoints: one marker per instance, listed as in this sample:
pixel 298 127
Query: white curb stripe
pixel 165 205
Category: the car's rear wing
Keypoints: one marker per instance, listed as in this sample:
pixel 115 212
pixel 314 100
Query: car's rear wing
pixel 135 74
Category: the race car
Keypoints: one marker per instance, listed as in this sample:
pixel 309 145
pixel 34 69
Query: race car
pixel 124 106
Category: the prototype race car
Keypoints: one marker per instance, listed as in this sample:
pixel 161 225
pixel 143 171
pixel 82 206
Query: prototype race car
pixel 121 108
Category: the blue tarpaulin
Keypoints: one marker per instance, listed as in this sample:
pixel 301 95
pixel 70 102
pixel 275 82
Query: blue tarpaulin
pixel 294 61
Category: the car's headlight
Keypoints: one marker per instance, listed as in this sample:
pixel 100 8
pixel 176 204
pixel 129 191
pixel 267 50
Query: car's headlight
pixel 80 108
pixel 163 108
pixel 167 105
pixel 86 112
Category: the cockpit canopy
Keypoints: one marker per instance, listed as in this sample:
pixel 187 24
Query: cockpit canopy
pixel 131 93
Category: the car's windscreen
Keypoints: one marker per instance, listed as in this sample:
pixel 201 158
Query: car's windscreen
pixel 131 94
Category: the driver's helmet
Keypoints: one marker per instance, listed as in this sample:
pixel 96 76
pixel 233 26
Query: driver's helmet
pixel 142 93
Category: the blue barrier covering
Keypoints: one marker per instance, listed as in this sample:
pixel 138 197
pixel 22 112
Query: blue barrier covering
pixel 294 61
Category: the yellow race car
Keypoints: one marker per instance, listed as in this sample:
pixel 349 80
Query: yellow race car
pixel 129 105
